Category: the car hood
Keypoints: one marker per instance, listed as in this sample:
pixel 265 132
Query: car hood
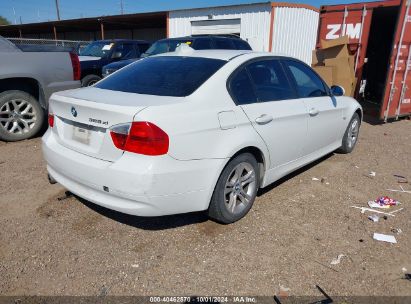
pixel 120 64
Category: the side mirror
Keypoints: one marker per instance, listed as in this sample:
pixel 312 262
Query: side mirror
pixel 337 90
pixel 116 55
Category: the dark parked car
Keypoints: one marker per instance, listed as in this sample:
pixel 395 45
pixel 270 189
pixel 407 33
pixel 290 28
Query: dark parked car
pixel 100 53
pixel 197 42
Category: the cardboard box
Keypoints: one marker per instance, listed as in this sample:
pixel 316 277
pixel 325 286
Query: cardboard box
pixel 342 67
pixel 347 84
pixel 335 52
pixel 317 58
pixel 344 40
pixel 326 73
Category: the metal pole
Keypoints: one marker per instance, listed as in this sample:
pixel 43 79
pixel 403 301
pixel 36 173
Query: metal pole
pixel 404 84
pixel 364 13
pixel 14 12
pixel 102 30
pixel 55 32
pixel 393 88
pixel 343 25
pixel 58 10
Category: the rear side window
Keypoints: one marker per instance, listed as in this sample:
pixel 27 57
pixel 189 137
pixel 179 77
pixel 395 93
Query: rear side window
pixel 163 76
pixel 241 44
pixel 202 44
pixel 224 44
pixel 307 82
pixel 241 88
pixel 270 81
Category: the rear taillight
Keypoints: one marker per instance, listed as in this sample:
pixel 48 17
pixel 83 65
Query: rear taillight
pixel 51 120
pixel 140 137
pixel 75 63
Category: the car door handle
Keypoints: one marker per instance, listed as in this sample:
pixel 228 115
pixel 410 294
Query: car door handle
pixel 313 111
pixel 263 119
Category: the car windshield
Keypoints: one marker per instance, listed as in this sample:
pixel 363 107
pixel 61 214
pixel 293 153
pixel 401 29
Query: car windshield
pixel 163 76
pixel 165 46
pixel 97 49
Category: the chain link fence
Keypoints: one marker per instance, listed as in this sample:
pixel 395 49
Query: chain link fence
pixel 75 44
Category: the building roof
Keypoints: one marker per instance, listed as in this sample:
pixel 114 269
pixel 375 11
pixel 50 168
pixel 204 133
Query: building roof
pixel 113 22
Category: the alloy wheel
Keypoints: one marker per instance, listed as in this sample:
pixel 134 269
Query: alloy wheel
pixel 240 188
pixel 353 132
pixel 17 116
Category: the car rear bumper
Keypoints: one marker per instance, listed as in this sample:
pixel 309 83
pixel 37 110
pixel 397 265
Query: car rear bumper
pixel 134 184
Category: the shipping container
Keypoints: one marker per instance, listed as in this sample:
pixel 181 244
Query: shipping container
pixel 283 28
pixel 380 39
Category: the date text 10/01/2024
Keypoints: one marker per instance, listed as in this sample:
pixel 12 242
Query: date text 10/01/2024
pixel 200 299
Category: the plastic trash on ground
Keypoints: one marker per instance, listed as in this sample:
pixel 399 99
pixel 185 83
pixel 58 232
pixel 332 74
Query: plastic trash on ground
pixel 374 218
pixel 337 260
pixel 385 238
pixel 383 202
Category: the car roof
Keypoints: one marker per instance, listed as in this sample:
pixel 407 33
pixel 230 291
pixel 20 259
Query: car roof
pixel 193 37
pixel 122 40
pixel 221 54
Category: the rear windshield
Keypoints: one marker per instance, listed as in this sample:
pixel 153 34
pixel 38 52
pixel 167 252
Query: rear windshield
pixel 165 76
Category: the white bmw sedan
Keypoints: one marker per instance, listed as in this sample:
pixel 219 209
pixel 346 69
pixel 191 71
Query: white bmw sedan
pixel 195 130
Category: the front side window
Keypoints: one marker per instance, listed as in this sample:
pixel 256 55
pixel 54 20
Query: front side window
pixel 270 81
pixel 307 82
pixel 125 50
pixel 164 76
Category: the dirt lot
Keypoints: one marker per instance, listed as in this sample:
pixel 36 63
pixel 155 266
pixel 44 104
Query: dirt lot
pixel 71 247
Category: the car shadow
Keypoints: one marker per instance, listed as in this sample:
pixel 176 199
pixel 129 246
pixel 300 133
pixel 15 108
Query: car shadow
pixel 282 180
pixel 179 220
pixel 148 223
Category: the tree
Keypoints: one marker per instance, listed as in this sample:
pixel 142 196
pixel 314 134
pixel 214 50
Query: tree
pixel 4 21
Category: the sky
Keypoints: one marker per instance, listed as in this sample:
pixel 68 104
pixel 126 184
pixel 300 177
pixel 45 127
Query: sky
pixel 45 10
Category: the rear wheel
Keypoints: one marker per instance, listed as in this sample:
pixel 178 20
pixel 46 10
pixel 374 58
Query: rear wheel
pixel 236 190
pixel 351 135
pixel 21 116
pixel 89 80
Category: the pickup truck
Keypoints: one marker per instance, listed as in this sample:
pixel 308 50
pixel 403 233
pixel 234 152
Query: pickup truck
pixel 102 52
pixel 27 79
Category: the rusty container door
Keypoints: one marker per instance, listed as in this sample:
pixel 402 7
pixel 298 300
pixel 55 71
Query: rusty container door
pixel 397 97
pixel 351 20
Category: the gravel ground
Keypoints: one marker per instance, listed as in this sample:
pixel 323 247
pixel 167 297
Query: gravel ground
pixel 52 246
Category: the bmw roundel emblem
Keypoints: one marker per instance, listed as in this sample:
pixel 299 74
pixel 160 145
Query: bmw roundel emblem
pixel 74 111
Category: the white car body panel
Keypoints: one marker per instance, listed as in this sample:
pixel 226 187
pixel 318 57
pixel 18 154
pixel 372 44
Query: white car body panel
pixel 206 129
pixel 88 58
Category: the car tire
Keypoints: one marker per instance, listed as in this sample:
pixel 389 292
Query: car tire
pixel 351 135
pixel 89 80
pixel 236 190
pixel 21 116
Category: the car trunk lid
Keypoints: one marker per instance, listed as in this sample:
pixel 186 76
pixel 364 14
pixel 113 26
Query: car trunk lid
pixel 83 118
